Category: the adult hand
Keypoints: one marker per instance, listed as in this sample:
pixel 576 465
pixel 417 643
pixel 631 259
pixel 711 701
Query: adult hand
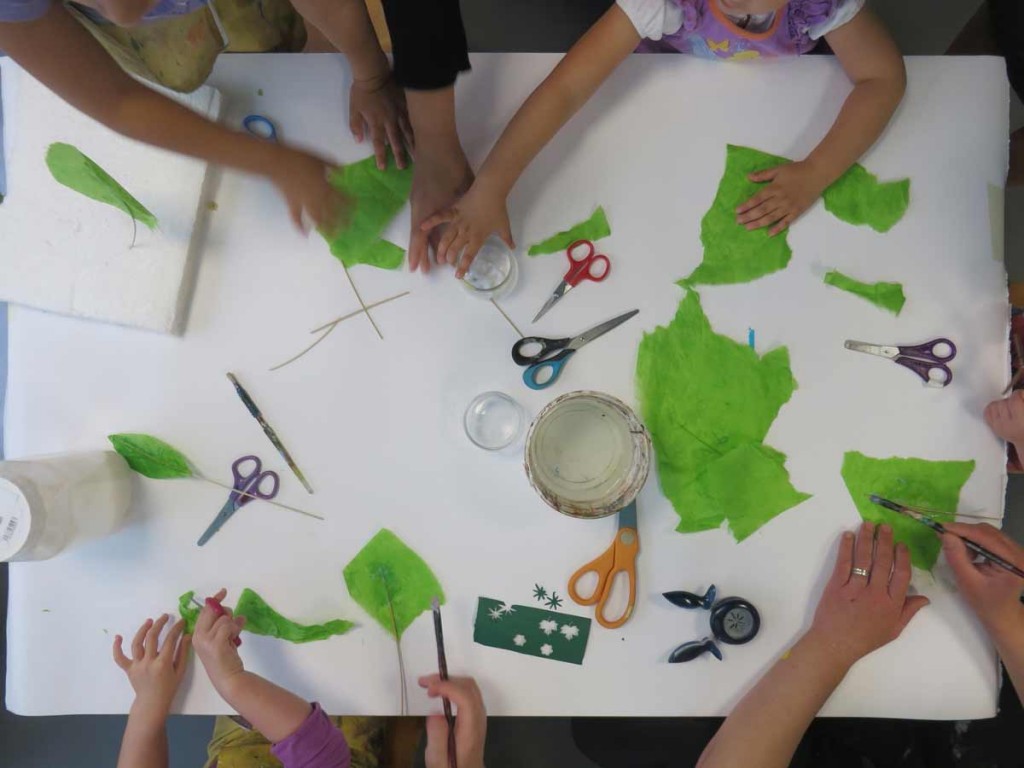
pixel 302 179
pixel 215 641
pixel 859 613
pixel 470 725
pixel 471 220
pixel 791 189
pixel 438 180
pixel 377 107
pixel 992 592
pixel 1006 417
pixel 155 672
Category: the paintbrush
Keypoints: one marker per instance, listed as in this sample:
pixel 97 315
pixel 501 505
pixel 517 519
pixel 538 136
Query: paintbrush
pixel 940 529
pixel 442 669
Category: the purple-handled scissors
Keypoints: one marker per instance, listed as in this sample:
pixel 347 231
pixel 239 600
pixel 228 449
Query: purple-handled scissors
pixel 927 360
pixel 249 484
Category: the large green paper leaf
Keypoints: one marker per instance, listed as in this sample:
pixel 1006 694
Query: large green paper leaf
pixel 592 229
pixel 888 296
pixel 376 197
pixel 932 485
pixel 857 197
pixel 391 582
pixel 78 172
pixel 151 456
pixel 261 619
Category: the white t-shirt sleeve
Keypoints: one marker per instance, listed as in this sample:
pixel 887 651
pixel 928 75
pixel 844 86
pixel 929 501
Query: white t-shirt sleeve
pixel 654 18
pixel 845 11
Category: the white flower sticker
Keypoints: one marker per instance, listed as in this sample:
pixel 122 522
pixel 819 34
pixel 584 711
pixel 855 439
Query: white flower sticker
pixel 519 640
pixel 508 609
pixel 496 613
pixel 546 649
pixel 547 626
pixel 569 631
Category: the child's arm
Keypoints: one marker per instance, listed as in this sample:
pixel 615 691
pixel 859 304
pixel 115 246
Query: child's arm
pixel 60 53
pixel 856 615
pixel 481 211
pixel 873 62
pixel 470 723
pixel 375 101
pixel 155 674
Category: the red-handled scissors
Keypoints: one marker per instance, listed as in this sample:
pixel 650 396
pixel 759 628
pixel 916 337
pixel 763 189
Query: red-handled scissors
pixel 585 263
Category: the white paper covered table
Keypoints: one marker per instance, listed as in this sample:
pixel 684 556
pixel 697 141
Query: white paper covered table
pixel 377 425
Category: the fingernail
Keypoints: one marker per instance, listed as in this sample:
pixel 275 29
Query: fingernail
pixel 847 535
pixel 885 528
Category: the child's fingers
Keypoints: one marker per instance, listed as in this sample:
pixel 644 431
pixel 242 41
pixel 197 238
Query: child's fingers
pixel 447 240
pixel 418 250
pixel 397 147
pixel 355 124
pixel 153 636
pixel 171 641
pixel 767 219
pixel 138 648
pixel 181 655
pixel 380 147
pixel 506 236
pixel 781 226
pixel 119 658
pixel 767 175
pixel 441 217
pixel 410 138
pixel 755 206
pixel 470 252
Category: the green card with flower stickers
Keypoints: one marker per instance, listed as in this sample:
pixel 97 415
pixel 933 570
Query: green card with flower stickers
pixel 533 631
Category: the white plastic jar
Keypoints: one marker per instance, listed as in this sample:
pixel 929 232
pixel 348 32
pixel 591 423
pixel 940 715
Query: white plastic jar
pixel 49 502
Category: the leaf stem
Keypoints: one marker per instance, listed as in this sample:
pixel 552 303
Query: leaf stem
pixel 363 305
pixel 260 498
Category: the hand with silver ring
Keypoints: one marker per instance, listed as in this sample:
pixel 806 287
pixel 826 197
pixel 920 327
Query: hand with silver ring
pixel 861 572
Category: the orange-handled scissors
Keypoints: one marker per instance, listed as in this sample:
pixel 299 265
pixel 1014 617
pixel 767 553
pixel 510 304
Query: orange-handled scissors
pixel 620 557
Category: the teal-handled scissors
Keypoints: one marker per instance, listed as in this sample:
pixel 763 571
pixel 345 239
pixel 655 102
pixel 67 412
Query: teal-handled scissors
pixel 544 368
pixel 247 486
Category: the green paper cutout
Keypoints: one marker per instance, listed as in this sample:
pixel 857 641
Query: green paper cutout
pixel 391 582
pixel 857 197
pixel 78 172
pixel 189 611
pixel 932 485
pixel 261 619
pixel 708 402
pixel 592 229
pixel 151 457
pixel 888 296
pixel 376 197
pixel 531 631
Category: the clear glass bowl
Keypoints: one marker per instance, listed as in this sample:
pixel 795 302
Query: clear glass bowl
pixel 493 273
pixel 494 421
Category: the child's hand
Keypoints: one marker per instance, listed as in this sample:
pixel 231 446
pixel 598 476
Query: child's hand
pixel 302 179
pixel 438 180
pixel 793 188
pixel 857 613
pixel 379 105
pixel 154 672
pixel 215 642
pixel 470 725
pixel 473 218
pixel 1006 417
pixel 992 592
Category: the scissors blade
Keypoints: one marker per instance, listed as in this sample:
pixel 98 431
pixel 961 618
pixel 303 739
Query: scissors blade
pixel 562 289
pixel 627 516
pixel 871 349
pixel 229 508
pixel 601 329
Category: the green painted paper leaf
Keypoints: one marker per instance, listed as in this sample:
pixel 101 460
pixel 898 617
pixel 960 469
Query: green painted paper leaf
pixel 261 619
pixel 151 457
pixel 932 485
pixel 377 197
pixel 78 172
pixel 387 576
pixel 592 229
pixel 857 197
pixel 531 631
pixel 888 296
pixel 189 611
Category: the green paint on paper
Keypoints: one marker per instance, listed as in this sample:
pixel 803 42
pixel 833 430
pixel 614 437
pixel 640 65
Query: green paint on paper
pixel 709 402
pixel 732 253
pixel 189 611
pixel 261 619
pixel 592 229
pixel 151 457
pixel 76 171
pixel 888 296
pixel 391 582
pixel 376 198
pixel 857 197
pixel 932 485
pixel 531 631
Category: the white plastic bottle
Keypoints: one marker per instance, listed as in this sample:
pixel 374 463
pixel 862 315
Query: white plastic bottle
pixel 49 502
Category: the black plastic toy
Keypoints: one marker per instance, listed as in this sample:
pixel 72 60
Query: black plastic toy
pixel 734 621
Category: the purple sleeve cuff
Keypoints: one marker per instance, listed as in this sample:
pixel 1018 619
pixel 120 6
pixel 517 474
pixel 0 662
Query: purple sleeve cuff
pixel 23 10
pixel 316 744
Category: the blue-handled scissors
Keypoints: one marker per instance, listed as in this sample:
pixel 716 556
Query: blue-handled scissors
pixel 927 360
pixel 261 127
pixel 543 368
pixel 248 485
pixel 585 263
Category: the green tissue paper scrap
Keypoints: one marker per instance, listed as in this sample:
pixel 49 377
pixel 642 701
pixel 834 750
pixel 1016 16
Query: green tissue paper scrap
pixel 261 619
pixel 592 229
pixel 888 296
pixel 391 582
pixel 709 402
pixel 857 197
pixel 932 485
pixel 76 171
pixel 531 631
pixel 376 197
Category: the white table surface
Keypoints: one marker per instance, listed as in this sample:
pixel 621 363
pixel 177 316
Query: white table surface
pixel 377 425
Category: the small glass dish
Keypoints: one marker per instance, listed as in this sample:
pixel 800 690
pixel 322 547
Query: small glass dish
pixel 493 273
pixel 493 421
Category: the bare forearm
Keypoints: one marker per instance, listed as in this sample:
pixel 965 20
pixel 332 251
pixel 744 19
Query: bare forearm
pixel 144 744
pixel 272 710
pixel 347 25
pixel 766 726
pixel 1009 642
pixel 432 116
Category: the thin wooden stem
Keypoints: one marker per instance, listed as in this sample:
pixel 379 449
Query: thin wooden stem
pixel 254 496
pixel 514 326
pixel 367 311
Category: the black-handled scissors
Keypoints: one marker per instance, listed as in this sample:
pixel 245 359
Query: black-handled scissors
pixel 927 360
pixel 541 362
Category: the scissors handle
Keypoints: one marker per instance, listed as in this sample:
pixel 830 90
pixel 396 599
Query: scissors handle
pixel 927 351
pixel 591 266
pixel 545 346
pixel 545 373
pixel 620 557
pixel 934 374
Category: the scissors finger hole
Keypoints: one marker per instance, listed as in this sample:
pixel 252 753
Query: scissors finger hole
pixel 943 350
pixel 938 377
pixel 616 601
pixel 259 127
pixel 271 492
pixel 531 349
pixel 586 585
pixel 542 374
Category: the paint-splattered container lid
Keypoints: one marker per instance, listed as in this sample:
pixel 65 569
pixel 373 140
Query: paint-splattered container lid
pixel 587 454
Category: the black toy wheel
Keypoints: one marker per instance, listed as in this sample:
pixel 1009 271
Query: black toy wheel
pixel 735 621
